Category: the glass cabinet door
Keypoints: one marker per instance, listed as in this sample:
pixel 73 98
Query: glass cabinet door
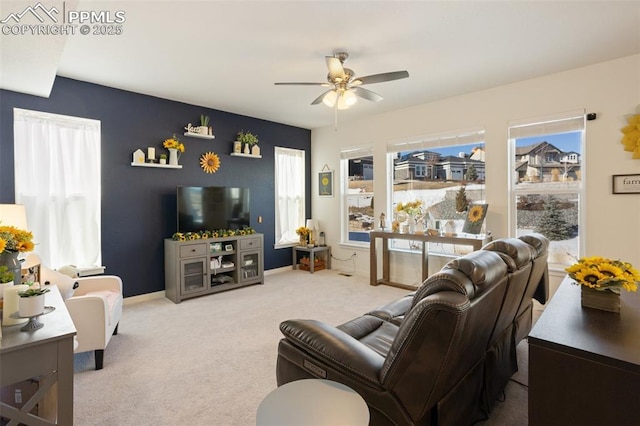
pixel 250 265
pixel 194 275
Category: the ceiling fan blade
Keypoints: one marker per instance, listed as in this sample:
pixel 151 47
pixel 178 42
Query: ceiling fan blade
pixel 379 78
pixel 302 84
pixel 367 94
pixel 335 68
pixel 319 99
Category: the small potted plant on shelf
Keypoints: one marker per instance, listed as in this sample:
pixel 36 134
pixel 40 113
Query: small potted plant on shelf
pixel 249 140
pixel 31 302
pixel 203 129
pixel 163 158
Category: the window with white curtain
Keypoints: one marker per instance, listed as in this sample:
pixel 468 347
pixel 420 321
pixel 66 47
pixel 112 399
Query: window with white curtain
pixel 547 182
pixel 57 178
pixel 290 181
pixel 357 195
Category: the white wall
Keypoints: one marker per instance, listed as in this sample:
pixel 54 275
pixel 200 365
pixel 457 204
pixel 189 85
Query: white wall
pixel 610 89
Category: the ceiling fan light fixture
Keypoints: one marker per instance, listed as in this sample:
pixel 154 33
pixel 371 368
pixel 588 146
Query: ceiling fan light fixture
pixel 350 98
pixel 342 104
pixel 330 98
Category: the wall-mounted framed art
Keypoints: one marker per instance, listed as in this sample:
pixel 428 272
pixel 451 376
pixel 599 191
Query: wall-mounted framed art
pixel 325 183
pixel 626 184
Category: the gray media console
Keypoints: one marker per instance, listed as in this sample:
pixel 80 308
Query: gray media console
pixel 198 267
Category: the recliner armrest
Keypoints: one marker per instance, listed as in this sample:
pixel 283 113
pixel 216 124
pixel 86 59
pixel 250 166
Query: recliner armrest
pixel 97 283
pixel 395 310
pixel 334 347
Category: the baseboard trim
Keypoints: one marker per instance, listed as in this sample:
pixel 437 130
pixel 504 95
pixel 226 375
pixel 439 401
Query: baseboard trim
pixel 277 270
pixel 144 297
pixel 162 295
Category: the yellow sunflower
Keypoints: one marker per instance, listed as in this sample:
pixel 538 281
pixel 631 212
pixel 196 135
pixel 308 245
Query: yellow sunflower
pixel 210 162
pixel 589 277
pixel 475 213
pixel 631 138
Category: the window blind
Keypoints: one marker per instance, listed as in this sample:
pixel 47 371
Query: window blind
pixel 559 123
pixel 460 137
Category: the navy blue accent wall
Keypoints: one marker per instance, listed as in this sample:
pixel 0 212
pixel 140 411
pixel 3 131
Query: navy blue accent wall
pixel 138 203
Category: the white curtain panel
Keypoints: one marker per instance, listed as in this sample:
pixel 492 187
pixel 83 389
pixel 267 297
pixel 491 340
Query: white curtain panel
pixel 289 187
pixel 57 178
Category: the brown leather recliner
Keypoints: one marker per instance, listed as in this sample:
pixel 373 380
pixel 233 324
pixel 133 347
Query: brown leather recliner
pixel 538 285
pixel 427 368
pixel 501 360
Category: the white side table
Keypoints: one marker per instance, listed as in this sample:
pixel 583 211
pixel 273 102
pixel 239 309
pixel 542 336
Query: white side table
pixel 312 402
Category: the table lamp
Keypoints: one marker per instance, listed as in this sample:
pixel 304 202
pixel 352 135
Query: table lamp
pixel 311 224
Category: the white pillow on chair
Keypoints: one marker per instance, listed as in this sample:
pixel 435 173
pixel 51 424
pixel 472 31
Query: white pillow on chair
pixel 65 283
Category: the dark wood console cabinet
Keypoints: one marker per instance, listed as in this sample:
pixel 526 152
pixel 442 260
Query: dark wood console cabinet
pixel 584 364
pixel 199 267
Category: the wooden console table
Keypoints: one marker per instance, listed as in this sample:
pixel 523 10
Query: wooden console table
pixel 476 241
pixel 584 364
pixel 46 353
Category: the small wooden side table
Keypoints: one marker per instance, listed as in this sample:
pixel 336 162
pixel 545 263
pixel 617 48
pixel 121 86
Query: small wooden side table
pixel 312 251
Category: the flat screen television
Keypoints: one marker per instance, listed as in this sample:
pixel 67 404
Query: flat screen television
pixel 209 208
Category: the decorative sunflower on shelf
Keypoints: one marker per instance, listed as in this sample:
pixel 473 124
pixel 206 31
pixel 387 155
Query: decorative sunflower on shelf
pixel 476 213
pixel 475 218
pixel 173 143
pixel 210 162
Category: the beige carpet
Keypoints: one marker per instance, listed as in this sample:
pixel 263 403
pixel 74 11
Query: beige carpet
pixel 211 360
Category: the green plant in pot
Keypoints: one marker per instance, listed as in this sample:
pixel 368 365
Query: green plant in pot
pixel 6 279
pixel 31 302
pixel 249 140
pixel 204 124
pixel 6 276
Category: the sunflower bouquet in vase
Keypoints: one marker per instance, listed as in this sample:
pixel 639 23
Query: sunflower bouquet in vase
pixel 601 281
pixel 175 148
pixel 303 232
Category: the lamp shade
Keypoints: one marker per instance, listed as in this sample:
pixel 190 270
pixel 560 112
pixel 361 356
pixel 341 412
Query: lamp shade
pixel 311 224
pixel 13 215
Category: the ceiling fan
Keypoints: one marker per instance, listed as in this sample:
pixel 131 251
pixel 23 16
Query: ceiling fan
pixel 345 86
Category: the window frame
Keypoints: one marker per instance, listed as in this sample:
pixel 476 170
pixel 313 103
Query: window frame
pixel 66 149
pixel 301 213
pixel 347 154
pixel 462 137
pixel 550 125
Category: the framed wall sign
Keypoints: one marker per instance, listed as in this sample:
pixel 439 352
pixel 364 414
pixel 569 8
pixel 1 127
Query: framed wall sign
pixel 626 184
pixel 325 183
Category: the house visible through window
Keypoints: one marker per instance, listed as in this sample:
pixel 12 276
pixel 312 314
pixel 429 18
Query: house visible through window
pixel 289 194
pixel 547 185
pixel 357 195
pixel 434 171
pixel 57 178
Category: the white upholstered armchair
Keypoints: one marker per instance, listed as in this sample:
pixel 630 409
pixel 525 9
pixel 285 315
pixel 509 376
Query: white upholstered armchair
pixel 96 309
pixel 95 306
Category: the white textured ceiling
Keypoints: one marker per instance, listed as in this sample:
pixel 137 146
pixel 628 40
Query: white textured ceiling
pixel 226 55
